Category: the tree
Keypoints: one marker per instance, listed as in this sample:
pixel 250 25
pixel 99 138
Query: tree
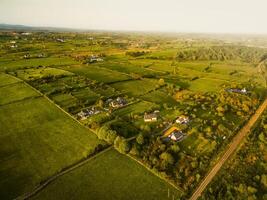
pixel 111 136
pixel 175 148
pixel 167 158
pixel 140 139
pixel 161 82
pixel 122 145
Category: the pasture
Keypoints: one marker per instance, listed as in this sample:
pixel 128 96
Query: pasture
pixel 16 92
pixel 136 87
pixel 96 73
pixel 45 141
pixel 109 176
pixel 27 63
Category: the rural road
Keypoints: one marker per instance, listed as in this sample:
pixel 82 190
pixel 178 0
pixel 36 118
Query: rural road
pixel 232 147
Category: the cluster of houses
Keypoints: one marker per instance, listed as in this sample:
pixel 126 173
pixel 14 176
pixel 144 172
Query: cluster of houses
pixel 94 58
pixel 116 103
pixel 13 44
pixel 84 114
pixel 237 90
pixel 27 56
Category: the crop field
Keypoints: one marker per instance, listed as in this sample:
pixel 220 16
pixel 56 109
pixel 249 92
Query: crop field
pixel 135 87
pixel 135 108
pixel 24 63
pixel 159 97
pixel 99 74
pixel 6 79
pixel 44 142
pixel 16 92
pixel 117 175
pixel 32 74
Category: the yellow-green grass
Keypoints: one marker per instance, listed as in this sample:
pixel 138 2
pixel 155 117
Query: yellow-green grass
pixel 107 177
pixel 5 79
pixel 38 73
pixel 15 92
pixel 136 108
pixel 127 67
pixel 135 87
pixel 86 94
pixel 22 63
pixel 37 140
pixel 99 74
pixel 64 100
pixel 159 97
pixel 197 144
pixel 206 85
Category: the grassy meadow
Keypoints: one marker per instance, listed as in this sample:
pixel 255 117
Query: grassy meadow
pixel 109 176
pixel 37 140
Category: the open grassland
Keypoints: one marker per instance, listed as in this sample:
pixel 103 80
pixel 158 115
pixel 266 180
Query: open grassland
pixel 159 97
pixel 41 72
pixel 99 74
pixel 15 92
pixel 109 176
pixel 6 79
pixel 136 87
pixel 24 63
pixel 136 108
pixel 37 140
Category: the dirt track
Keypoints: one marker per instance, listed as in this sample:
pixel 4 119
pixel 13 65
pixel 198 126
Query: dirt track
pixel 232 147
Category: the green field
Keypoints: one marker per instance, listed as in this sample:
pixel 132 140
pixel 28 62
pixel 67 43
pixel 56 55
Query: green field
pixel 37 140
pixel 109 176
pixel 135 87
pixel 16 92
pixel 97 73
pixel 23 63
pixel 136 108
pixel 42 72
pixel 6 79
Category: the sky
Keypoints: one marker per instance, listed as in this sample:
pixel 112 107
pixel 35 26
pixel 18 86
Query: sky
pixel 209 16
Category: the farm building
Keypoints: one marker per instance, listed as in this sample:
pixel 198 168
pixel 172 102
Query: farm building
pixel 236 90
pixel 176 135
pixel 94 58
pixel 117 103
pixel 151 117
pixel 84 114
pixel 182 120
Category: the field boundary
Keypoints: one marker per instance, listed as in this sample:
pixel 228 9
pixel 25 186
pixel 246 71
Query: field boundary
pixel 24 99
pixel 65 171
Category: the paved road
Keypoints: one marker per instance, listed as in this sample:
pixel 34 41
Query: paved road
pixel 232 147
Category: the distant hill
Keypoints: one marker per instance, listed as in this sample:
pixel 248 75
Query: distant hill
pixel 15 27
